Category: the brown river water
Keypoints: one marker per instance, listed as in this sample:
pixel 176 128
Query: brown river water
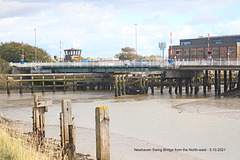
pixel 144 127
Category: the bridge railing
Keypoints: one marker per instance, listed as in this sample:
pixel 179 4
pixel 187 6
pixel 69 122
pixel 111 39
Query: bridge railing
pixel 127 63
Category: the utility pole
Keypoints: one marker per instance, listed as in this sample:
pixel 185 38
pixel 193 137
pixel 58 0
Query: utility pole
pixel 35 45
pixel 136 36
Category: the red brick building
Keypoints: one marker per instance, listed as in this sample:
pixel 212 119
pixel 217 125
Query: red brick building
pixel 221 47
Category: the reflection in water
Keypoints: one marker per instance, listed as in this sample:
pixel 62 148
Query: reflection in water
pixel 174 121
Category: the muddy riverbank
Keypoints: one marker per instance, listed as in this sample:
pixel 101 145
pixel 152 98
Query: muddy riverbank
pixel 140 123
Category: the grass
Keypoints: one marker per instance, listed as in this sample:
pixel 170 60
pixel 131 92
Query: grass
pixel 17 146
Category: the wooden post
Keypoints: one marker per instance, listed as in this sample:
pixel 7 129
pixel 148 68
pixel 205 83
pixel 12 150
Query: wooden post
pixel 238 84
pixel 74 83
pixel 180 86
pixel 152 84
pixel 196 83
pixel 191 85
pixel 43 83
pixel 186 85
pixel 162 83
pixel 67 130
pixel 116 86
pixel 119 85
pixel 32 85
pixel 102 133
pixel 64 84
pixel 39 109
pixel 8 85
pixel 170 86
pixel 20 85
pixel 230 80
pixel 54 84
pixel 205 78
pixel 219 82
pixel 216 82
pixel 176 86
pixel 123 86
pixel 225 81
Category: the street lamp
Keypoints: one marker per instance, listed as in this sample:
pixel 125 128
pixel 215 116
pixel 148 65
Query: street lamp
pixel 162 47
pixel 35 45
pixel 136 36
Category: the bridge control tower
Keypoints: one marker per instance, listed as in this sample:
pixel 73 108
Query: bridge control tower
pixel 72 55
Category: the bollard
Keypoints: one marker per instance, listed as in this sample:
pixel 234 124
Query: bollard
pixel 67 130
pixel 102 133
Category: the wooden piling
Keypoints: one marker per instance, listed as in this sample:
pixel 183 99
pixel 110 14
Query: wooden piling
pixel 162 85
pixel 225 80
pixel 43 85
pixel 152 85
pixel 64 84
pixel 219 82
pixel 123 86
pixel 68 142
pixel 238 84
pixel 8 86
pixel 39 109
pixel 102 133
pixel 205 78
pixel 180 86
pixel 170 86
pixel 54 84
pixel 195 82
pixel 20 85
pixel 32 85
pixel 216 82
pixel 116 86
pixel 187 85
pixel 119 85
pixel 176 86
pixel 230 80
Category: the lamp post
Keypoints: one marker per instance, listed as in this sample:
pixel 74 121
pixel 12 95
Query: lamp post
pixel 162 46
pixel 35 45
pixel 136 36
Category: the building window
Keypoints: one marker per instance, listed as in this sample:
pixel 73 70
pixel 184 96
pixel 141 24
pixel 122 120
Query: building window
pixel 217 41
pixel 200 51
pixel 237 39
pixel 193 52
pixel 186 52
pixel 185 43
pixel 232 50
pixel 216 51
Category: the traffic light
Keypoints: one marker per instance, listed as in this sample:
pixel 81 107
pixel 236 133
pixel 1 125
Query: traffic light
pixel 177 52
pixel 209 52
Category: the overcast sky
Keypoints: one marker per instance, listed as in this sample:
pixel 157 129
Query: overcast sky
pixel 102 27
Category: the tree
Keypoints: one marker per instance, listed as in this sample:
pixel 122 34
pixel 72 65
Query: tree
pixel 11 52
pixel 128 53
pixel 4 67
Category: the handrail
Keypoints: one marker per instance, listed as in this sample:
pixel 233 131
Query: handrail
pixel 166 64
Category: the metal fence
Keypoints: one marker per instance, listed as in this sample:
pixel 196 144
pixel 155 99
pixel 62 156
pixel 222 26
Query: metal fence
pixel 170 63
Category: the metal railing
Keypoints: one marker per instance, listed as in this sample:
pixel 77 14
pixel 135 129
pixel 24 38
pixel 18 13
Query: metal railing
pixel 166 64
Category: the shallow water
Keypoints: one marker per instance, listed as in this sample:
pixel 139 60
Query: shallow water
pixel 147 121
